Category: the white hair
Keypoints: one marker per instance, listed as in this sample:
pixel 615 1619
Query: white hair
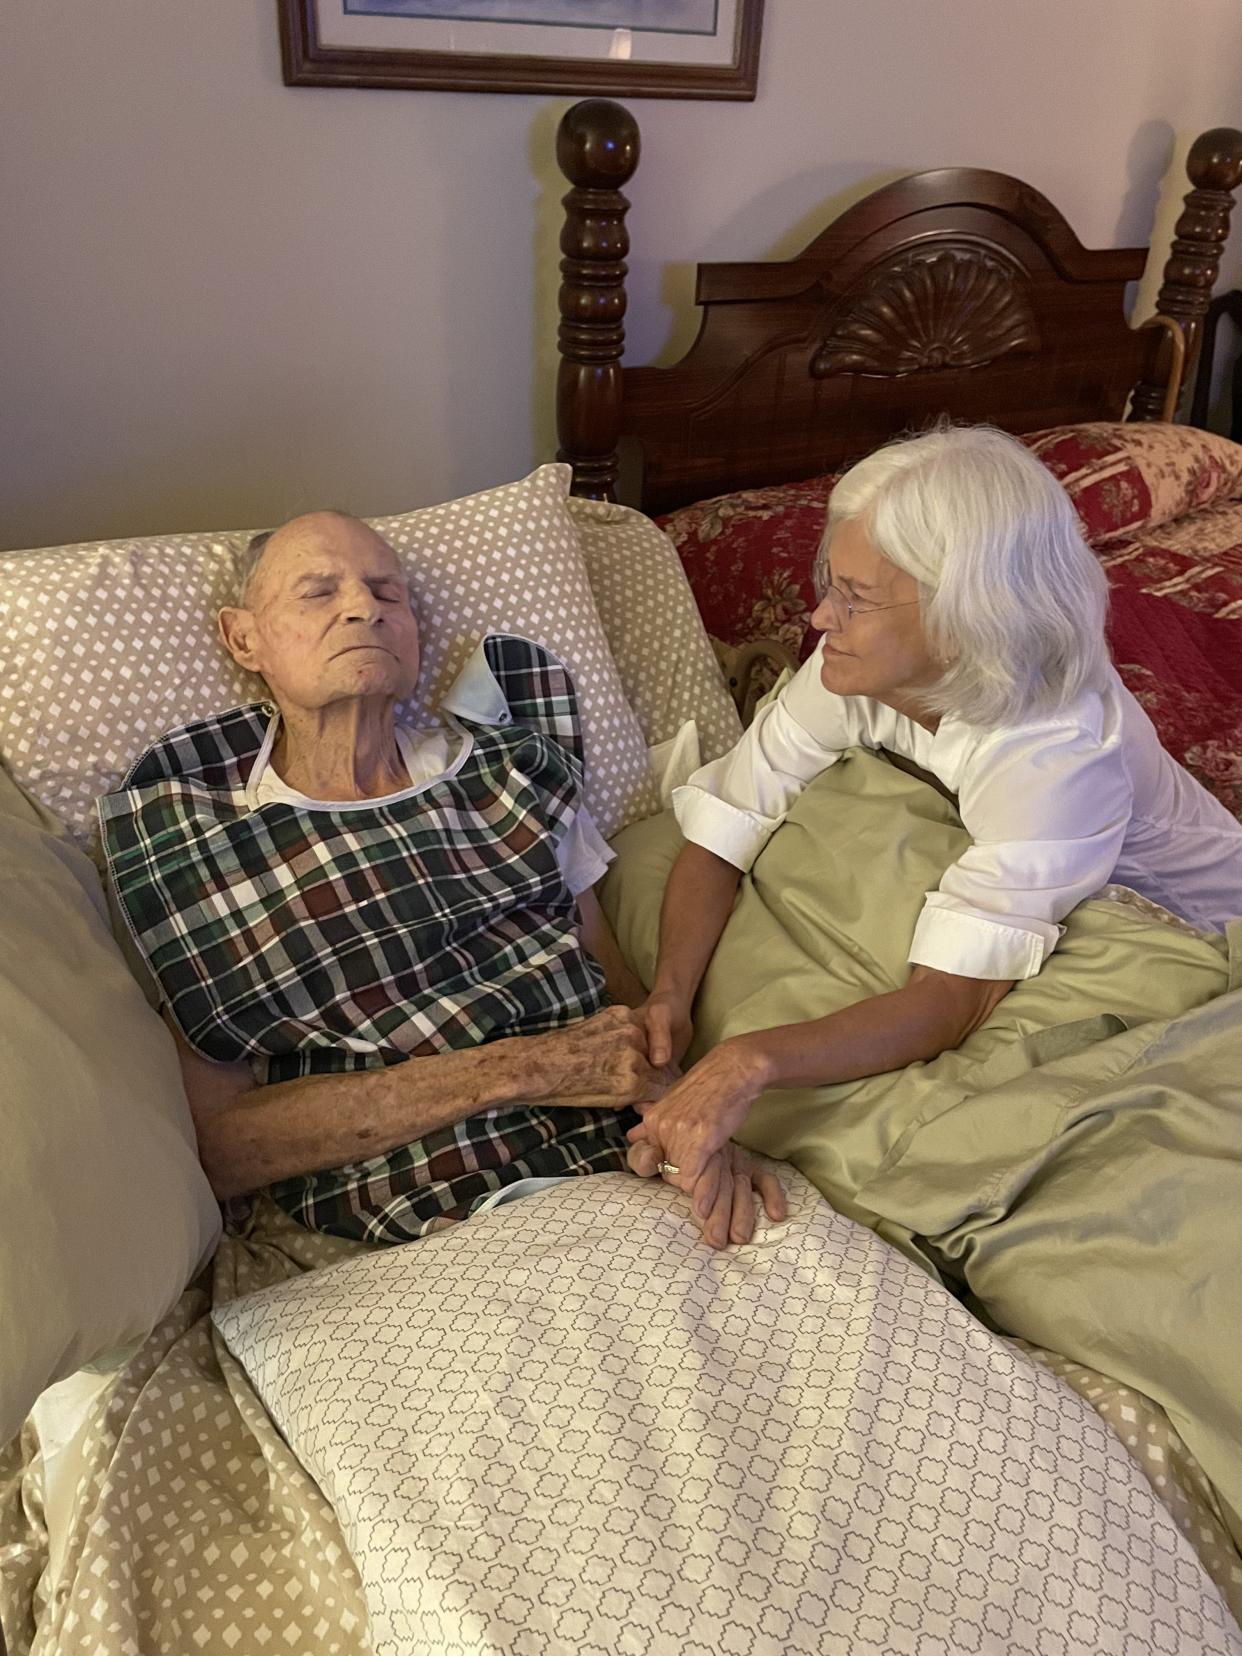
pixel 1013 601
pixel 248 565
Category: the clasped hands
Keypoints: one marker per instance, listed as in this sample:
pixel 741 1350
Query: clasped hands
pixel 690 1128
pixel 623 1056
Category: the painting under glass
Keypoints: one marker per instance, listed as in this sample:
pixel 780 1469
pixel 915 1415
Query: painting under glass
pixel 662 16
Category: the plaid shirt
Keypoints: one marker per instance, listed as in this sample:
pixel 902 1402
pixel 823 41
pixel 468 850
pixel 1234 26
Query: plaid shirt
pixel 314 942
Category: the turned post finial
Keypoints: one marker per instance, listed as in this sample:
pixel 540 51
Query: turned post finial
pixel 1214 167
pixel 597 148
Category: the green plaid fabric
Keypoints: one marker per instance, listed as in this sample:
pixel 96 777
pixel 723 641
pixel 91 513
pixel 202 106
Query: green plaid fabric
pixel 313 942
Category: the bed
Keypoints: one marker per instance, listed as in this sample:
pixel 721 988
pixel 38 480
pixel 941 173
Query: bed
pixel 953 292
pixel 564 1427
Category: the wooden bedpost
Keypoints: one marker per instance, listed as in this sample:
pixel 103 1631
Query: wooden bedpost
pixel 1214 167
pixel 597 149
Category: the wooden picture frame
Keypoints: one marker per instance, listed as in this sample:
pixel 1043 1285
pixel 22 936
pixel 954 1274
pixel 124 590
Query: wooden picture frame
pixel 311 57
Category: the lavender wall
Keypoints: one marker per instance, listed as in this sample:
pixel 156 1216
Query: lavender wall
pixel 223 300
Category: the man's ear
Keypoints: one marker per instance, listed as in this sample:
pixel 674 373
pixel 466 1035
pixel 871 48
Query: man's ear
pixel 237 629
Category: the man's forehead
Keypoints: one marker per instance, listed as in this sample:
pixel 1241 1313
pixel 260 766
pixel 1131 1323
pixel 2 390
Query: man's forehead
pixel 324 540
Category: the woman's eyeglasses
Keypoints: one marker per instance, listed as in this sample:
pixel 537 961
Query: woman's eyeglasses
pixel 844 610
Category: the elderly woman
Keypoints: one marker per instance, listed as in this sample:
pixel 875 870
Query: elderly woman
pixel 963 633
pixel 378 949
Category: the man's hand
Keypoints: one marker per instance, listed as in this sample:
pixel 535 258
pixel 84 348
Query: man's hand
pixel 598 1064
pixel 700 1114
pixel 723 1203
pixel 666 1019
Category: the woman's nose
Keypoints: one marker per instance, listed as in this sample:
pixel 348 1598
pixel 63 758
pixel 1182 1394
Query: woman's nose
pixel 823 617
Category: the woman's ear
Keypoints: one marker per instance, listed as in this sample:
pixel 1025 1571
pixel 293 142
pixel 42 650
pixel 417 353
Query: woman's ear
pixel 237 629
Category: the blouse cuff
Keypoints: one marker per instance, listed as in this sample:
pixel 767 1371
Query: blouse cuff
pixel 735 835
pixel 969 944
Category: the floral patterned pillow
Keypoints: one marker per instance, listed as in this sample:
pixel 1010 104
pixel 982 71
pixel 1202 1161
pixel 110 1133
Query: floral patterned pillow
pixel 749 556
pixel 1125 478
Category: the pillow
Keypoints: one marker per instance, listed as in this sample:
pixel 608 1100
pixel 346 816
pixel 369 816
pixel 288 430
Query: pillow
pixel 112 643
pixel 1123 478
pixel 106 1211
pixel 567 1426
pixel 663 655
pixel 749 556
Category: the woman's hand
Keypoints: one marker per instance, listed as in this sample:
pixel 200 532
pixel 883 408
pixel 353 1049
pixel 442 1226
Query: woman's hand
pixel 724 1204
pixel 598 1064
pixel 700 1114
pixel 666 1019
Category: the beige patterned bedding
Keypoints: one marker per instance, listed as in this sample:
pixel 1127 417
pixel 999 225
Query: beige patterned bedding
pixel 194 1529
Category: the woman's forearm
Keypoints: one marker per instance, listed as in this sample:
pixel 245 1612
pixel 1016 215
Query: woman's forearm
pixel 697 902
pixel 932 1013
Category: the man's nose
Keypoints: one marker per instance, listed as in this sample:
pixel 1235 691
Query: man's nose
pixel 361 604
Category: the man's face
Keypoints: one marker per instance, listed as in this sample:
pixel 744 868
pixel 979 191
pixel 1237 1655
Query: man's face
pixel 328 616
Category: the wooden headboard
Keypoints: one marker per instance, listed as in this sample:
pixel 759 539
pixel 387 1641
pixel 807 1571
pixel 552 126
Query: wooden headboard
pixel 957 291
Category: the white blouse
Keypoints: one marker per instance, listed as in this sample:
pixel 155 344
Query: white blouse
pixel 1056 808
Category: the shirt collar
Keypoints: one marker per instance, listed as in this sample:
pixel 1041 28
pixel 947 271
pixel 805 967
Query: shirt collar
pixel 475 695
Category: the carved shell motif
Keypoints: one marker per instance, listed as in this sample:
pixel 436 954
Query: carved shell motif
pixel 936 308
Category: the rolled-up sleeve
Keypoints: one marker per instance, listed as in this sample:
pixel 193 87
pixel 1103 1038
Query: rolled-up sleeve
pixel 583 854
pixel 1047 812
pixel 735 804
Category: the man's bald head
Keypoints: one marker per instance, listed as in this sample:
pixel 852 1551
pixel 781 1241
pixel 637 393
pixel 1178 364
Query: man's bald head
pixel 324 614
pixel 294 529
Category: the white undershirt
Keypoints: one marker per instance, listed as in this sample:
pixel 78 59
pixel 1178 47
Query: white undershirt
pixel 1056 807
pixel 430 755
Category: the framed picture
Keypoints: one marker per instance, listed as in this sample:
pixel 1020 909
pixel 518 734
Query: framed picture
pixel 640 48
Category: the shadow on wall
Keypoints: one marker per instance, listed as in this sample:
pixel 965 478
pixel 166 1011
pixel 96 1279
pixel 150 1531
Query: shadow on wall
pixel 752 233
pixel 661 294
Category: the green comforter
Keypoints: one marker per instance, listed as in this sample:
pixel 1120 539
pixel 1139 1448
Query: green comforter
pixel 1076 1163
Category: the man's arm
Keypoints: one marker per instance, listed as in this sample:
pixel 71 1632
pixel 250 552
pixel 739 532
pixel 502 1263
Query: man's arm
pixel 250 1136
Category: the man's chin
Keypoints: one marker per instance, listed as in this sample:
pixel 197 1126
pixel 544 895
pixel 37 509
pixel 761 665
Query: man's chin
pixel 362 674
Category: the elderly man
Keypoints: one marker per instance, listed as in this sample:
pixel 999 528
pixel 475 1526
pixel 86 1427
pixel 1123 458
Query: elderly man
pixel 378 949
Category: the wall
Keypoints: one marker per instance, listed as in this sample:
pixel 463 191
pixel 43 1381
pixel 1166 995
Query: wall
pixel 224 300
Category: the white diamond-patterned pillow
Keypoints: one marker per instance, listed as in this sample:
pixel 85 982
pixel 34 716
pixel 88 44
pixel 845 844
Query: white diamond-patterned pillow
pixel 569 1427
pixel 110 644
pixel 658 640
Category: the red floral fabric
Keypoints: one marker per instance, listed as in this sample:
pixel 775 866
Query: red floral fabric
pixel 748 558
pixel 1184 667
pixel 1161 505
pixel 1124 479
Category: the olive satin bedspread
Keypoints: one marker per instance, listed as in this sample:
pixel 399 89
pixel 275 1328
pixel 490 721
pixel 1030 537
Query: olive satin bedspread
pixel 1076 1165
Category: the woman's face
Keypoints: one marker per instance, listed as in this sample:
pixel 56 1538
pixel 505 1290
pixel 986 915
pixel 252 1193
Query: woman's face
pixel 328 618
pixel 878 650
